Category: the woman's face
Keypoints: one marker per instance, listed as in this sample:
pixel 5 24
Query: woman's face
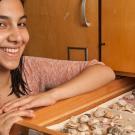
pixel 13 33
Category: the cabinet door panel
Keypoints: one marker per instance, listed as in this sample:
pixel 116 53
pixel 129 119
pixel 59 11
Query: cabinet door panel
pixel 118 33
pixel 56 25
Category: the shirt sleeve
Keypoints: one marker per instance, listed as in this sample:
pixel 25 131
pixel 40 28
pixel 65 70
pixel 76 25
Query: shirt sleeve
pixel 42 73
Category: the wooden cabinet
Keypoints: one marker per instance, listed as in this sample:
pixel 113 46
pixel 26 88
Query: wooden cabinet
pixel 118 34
pixel 56 25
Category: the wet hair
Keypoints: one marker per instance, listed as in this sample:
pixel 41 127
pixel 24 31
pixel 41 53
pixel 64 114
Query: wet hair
pixel 23 2
pixel 19 87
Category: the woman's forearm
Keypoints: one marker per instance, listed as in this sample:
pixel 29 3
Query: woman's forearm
pixel 91 78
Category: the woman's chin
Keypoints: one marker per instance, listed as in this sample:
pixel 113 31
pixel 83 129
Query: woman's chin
pixel 11 66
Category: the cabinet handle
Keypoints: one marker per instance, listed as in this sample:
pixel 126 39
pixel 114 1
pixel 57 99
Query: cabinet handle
pixel 85 22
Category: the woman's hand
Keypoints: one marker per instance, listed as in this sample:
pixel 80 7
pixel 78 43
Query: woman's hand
pixel 8 119
pixel 27 102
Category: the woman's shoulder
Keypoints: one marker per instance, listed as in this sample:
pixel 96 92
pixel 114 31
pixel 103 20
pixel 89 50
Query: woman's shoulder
pixel 29 58
pixel 33 59
pixel 30 62
pixel 49 62
pixel 36 58
pixel 40 61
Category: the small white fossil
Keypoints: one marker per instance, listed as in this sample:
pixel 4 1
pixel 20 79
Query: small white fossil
pixel 73 131
pixel 114 130
pixel 97 131
pixel 96 126
pixel 112 123
pixel 129 108
pixel 105 121
pixel 109 114
pixel 122 102
pixel 129 97
pixel 84 118
pixel 117 117
pixel 74 119
pixel 93 121
pixel 72 125
pixel 84 133
pixel 115 106
pixel 100 112
pixel 83 127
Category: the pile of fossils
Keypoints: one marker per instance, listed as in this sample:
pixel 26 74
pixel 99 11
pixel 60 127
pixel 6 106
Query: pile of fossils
pixel 103 121
pixel 127 103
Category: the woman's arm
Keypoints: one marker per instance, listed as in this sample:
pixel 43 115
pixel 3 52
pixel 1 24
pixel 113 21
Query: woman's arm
pixel 91 78
pixel 43 73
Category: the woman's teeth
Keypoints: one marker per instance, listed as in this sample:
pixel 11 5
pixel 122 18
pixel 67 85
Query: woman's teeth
pixel 10 50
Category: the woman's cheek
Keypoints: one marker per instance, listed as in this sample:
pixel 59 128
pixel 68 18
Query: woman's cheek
pixel 26 37
pixel 3 38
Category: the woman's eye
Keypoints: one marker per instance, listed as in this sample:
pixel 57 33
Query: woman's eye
pixel 2 25
pixel 22 25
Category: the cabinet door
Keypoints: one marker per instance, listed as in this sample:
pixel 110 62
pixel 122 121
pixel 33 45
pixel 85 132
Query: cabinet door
pixel 55 25
pixel 118 34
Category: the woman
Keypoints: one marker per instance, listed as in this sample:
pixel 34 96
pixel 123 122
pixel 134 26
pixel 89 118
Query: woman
pixel 23 80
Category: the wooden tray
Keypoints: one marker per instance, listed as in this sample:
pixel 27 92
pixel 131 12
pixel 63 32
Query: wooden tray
pixel 65 109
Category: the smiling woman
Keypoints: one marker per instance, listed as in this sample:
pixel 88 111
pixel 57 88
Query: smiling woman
pixel 14 36
pixel 27 82
pixel 13 39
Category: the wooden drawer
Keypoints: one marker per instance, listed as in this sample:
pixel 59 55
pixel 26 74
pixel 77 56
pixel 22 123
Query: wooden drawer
pixel 65 109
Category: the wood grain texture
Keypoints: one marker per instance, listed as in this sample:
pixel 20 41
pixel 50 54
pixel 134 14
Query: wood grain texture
pixel 55 25
pixel 118 33
pixel 76 105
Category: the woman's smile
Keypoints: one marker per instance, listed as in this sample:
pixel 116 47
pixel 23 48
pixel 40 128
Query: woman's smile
pixel 12 52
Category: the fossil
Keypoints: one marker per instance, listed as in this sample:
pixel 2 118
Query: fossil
pixel 104 121
pixel 122 102
pixel 83 127
pixel 130 97
pixel 100 112
pixel 114 130
pixel 109 114
pixel 93 121
pixel 71 125
pixel 84 118
pixel 115 106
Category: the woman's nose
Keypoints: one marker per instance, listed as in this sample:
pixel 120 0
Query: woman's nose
pixel 15 36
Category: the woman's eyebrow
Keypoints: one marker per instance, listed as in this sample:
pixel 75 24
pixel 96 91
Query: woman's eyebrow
pixel 7 18
pixel 4 17
pixel 23 17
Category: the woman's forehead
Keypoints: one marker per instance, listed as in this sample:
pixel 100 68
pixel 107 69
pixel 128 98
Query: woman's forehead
pixel 11 8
